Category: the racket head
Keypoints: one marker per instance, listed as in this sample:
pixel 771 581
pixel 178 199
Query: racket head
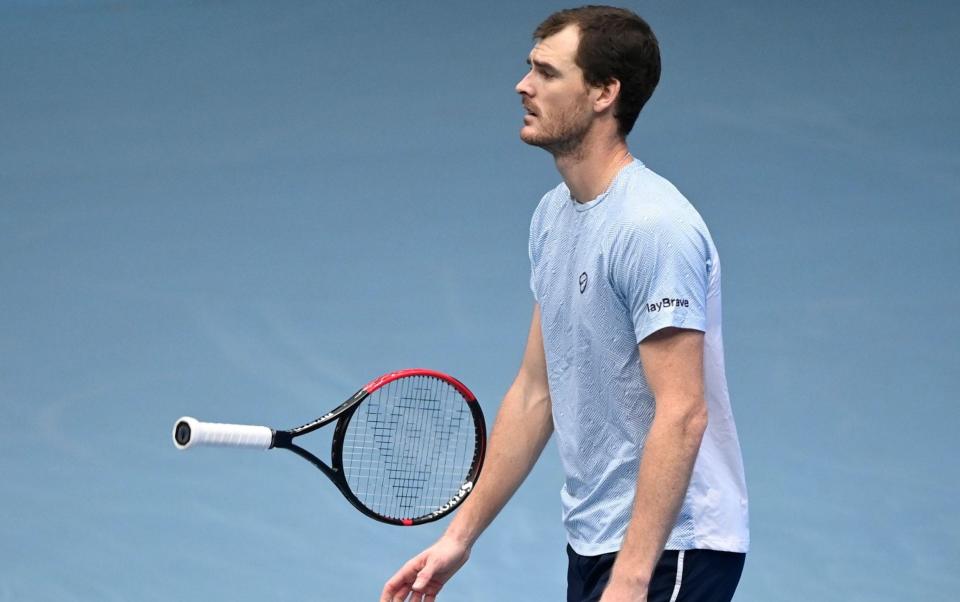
pixel 411 449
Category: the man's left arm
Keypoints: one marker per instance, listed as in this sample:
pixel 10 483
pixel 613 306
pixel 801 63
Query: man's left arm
pixel 672 360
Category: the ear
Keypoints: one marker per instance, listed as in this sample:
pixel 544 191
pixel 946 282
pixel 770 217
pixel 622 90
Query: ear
pixel 606 95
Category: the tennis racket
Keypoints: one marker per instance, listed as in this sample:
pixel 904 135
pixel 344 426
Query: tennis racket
pixel 407 448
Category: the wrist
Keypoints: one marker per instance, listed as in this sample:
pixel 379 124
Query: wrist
pixel 635 580
pixel 460 536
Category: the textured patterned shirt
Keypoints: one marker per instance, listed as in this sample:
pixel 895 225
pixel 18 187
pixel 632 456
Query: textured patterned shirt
pixel 607 274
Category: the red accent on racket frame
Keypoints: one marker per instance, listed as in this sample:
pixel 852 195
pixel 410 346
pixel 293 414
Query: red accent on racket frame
pixel 388 378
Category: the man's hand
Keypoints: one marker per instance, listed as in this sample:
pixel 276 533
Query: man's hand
pixel 423 576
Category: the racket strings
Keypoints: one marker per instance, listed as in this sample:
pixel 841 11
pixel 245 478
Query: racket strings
pixel 409 447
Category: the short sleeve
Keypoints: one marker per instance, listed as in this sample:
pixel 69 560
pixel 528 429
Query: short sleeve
pixel 533 285
pixel 659 268
pixel 536 241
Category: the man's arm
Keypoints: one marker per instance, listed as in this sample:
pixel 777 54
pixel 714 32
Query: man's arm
pixel 522 427
pixel 673 364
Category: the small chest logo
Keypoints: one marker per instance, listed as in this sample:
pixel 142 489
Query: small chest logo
pixel 583 282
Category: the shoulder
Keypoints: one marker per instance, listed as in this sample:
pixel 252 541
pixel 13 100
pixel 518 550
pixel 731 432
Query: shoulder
pixel 550 206
pixel 653 212
pixel 552 201
pixel 544 218
pixel 649 200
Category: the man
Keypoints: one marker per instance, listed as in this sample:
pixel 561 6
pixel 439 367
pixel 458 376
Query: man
pixel 624 357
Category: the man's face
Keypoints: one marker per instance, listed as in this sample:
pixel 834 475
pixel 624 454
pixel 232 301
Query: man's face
pixel 554 94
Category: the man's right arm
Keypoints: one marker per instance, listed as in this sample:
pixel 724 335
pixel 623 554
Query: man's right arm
pixel 523 425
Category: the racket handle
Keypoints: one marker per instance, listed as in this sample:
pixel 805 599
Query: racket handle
pixel 189 432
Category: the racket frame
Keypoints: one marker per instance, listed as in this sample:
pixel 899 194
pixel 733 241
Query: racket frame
pixel 283 439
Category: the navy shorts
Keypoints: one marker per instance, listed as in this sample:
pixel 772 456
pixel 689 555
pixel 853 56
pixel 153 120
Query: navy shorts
pixel 685 576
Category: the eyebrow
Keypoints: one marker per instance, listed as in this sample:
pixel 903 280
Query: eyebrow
pixel 542 65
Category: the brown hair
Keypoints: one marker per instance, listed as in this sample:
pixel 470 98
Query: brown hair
pixel 614 44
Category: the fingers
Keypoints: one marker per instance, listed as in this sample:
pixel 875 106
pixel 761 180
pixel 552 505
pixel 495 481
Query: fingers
pixel 402 594
pixel 429 588
pixel 399 595
pixel 397 588
pixel 422 577
pixel 401 584
pixel 423 596
pixel 430 592
pixel 425 591
pixel 395 592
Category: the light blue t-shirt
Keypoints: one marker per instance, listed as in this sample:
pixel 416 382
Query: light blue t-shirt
pixel 607 274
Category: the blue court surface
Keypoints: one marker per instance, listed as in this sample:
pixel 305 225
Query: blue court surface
pixel 243 211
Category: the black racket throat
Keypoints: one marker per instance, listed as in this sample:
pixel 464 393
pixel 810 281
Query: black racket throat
pixel 282 440
pixel 332 474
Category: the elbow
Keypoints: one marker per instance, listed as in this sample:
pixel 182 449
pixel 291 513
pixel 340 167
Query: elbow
pixel 688 424
pixel 696 423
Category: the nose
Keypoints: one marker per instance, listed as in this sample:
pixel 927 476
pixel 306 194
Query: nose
pixel 523 86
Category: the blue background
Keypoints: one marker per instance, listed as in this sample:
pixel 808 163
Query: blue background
pixel 244 211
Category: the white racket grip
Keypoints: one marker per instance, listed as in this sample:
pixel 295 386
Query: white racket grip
pixel 189 432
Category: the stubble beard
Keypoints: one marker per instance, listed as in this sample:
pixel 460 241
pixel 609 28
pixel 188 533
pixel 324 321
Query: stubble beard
pixel 563 135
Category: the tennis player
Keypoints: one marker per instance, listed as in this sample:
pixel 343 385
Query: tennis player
pixel 624 358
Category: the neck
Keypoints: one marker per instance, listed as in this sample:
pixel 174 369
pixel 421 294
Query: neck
pixel 590 170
